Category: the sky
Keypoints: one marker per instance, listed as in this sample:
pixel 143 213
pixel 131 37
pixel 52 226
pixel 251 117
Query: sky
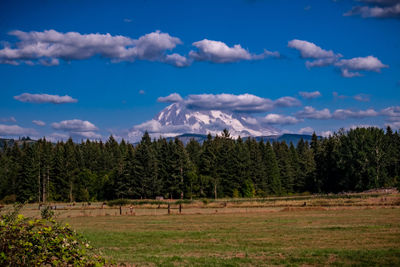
pixel 89 69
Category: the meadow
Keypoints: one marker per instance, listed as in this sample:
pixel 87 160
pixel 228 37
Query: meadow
pixel 356 235
pixel 317 230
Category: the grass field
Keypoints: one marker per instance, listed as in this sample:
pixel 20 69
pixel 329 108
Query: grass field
pixel 365 236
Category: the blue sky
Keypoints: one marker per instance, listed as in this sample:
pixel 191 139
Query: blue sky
pixel 114 59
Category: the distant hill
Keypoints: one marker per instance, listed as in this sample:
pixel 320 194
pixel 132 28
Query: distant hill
pixel 294 138
pixel 10 142
pixel 185 138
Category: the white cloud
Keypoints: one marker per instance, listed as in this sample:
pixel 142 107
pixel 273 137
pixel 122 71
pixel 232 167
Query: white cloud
pixel 369 63
pixel 15 130
pixel 342 114
pixel 235 103
pixel 142 92
pixel 393 111
pixel 39 123
pixel 238 103
pixel 310 95
pixel 177 60
pixel 349 67
pixel 49 46
pixel 219 52
pixel 377 9
pixel 322 62
pixel 54 137
pixel 172 98
pixel 45 98
pixel 287 101
pixel 337 96
pixel 46 62
pixel 245 102
pixel 279 119
pixel 74 126
pixel 155 129
pixel 348 74
pixel 362 97
pixel 85 135
pixel 310 50
pixel 9 119
pixel 311 113
pixel 326 133
pixel 150 126
pixel 152 46
pixel 393 125
pixel 306 130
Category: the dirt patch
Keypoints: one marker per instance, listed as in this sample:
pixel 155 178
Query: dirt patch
pixel 303 209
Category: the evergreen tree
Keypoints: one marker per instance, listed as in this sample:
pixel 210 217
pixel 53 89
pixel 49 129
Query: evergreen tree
pixel 272 171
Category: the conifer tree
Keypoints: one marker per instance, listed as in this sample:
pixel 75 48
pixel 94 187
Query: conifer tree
pixel 272 171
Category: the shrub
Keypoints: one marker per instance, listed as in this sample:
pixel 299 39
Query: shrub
pixel 46 213
pixel 119 202
pixel 205 201
pixel 36 242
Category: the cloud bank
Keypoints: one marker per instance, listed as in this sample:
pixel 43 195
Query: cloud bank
pixel 310 95
pixel 339 114
pixel 376 9
pixel 219 52
pixel 48 47
pixel 320 58
pixel 246 103
pixel 15 130
pixel 45 98
pixel 39 123
pixel 9 119
pixel 77 129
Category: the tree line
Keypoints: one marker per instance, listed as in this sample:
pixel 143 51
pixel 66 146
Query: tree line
pixel 354 160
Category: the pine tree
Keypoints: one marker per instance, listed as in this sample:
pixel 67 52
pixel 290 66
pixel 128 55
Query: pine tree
pixel 27 185
pixel 272 171
pixel 285 166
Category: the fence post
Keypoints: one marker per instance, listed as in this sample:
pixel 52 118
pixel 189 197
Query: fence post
pixel 169 208
pixel 180 208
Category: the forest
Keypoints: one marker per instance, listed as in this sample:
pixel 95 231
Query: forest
pixel 348 161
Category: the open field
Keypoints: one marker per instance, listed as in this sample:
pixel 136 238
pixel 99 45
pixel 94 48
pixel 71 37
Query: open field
pixel 312 235
pixel 357 229
pixel 209 206
pixel 303 237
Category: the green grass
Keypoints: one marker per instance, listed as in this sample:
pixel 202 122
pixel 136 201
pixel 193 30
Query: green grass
pixel 357 237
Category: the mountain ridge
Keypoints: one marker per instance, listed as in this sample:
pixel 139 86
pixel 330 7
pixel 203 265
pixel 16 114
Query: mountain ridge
pixel 287 137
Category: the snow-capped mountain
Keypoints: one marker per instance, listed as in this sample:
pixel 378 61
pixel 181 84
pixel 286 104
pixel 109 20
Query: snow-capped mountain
pixel 178 119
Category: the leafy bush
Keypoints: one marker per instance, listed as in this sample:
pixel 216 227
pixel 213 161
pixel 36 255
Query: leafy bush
pixel 119 202
pixel 36 242
pixel 46 213
pixel 183 201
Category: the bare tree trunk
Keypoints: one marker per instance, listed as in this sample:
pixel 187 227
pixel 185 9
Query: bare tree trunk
pixel 48 182
pixel 44 197
pixel 70 192
pixel 39 183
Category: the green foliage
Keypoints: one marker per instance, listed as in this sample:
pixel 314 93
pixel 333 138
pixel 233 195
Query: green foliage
pixel 354 160
pixel 118 202
pixel 46 213
pixel 36 242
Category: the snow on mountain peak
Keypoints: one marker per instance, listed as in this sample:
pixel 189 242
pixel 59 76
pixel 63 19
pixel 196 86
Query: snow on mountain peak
pixel 177 119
